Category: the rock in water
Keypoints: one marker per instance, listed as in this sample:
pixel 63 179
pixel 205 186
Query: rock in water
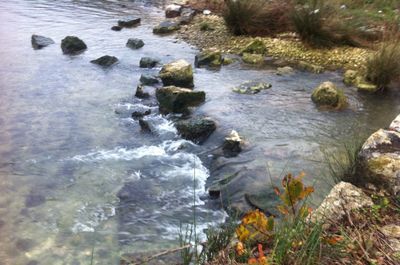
pixel 148 62
pixel 316 69
pixel 349 77
pixel 105 61
pixel 208 58
pixel 148 80
pixel 251 87
pixel 328 95
pixel 39 42
pixel 144 126
pixel 177 100
pixel 116 28
pixel 379 159
pixel 135 43
pixel 129 23
pixel 140 92
pixel 166 27
pixel 286 70
pixel 196 129
pixel 178 73
pixel 232 144
pixel 72 45
pixel 140 114
pixel 253 58
pixel 173 10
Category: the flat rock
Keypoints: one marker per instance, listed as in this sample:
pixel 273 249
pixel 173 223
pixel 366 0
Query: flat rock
pixel 116 28
pixel 187 15
pixel 134 43
pixel 39 42
pixel 251 87
pixel 166 27
pixel 129 23
pixel 105 61
pixel 196 129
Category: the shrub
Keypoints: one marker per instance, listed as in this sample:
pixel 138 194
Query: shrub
pixel 383 66
pixel 319 25
pixel 257 17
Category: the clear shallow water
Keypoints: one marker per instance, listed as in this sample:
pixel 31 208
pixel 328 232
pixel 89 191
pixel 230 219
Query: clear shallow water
pixel 68 145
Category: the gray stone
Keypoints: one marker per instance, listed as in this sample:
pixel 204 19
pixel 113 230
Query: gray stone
pixel 148 62
pixel 129 23
pixel 196 129
pixel 140 93
pixel 166 27
pixel 72 45
pixel 39 42
pixel 134 43
pixel 148 80
pixel 187 15
pixel 116 28
pixel 105 61
pixel 173 10
pixel 178 73
pixel 232 145
pixel 208 58
pixel 251 87
pixel 177 99
pixel 286 70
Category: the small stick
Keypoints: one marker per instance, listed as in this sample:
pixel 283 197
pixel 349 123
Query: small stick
pixel 166 252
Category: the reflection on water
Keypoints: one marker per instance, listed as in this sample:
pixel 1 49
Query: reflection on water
pixel 78 176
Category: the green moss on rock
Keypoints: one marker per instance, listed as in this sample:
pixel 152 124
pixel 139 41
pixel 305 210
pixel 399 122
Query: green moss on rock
pixel 255 47
pixel 252 58
pixel 328 95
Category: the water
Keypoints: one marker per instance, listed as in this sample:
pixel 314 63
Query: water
pixel 76 172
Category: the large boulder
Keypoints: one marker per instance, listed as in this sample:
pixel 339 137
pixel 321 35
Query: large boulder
pixel 379 159
pixel 255 47
pixel 129 23
pixel 251 87
pixel 328 95
pixel 196 129
pixel 173 10
pixel 166 27
pixel 208 58
pixel 148 62
pixel 177 100
pixel 134 43
pixel 39 42
pixel 72 45
pixel 178 73
pixel 105 61
pixel 343 197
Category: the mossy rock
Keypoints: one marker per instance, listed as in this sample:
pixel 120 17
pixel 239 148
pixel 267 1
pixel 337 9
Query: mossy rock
pixel 255 47
pixel 177 100
pixel 350 77
pixel 365 86
pixel 166 27
pixel 251 87
pixel 72 45
pixel 178 73
pixel 208 58
pixel 252 58
pixel 313 68
pixel 328 95
pixel 196 129
pixel 228 61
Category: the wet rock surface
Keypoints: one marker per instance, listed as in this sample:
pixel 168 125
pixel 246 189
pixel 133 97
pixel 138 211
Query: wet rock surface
pixel 178 73
pixel 148 79
pixel 134 43
pixel 196 129
pixel 39 42
pixel 208 58
pixel 166 27
pixel 148 62
pixel 251 87
pixel 105 61
pixel 72 45
pixel 129 22
pixel 327 94
pixel 177 100
pixel 173 10
pixel 140 93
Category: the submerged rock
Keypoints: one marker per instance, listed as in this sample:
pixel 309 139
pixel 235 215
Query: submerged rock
pixel 365 86
pixel 255 47
pixel 105 61
pixel 129 23
pixel 232 144
pixel 72 45
pixel 173 10
pixel 286 70
pixel 166 27
pixel 177 100
pixel 140 114
pixel 327 94
pixel 208 58
pixel 148 80
pixel 343 197
pixel 196 129
pixel 140 93
pixel 253 58
pixel 178 73
pixel 39 42
pixel 144 126
pixel 379 159
pixel 134 43
pixel 148 62
pixel 316 69
pixel 116 28
pixel 251 87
